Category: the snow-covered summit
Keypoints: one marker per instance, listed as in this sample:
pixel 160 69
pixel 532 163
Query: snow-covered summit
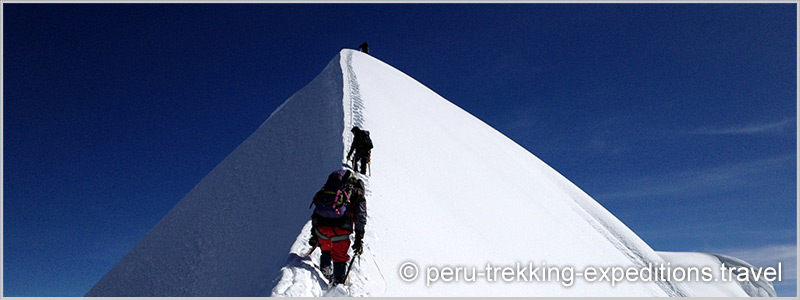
pixel 445 191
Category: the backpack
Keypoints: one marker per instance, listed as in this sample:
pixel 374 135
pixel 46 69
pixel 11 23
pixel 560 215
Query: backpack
pixel 331 201
pixel 366 142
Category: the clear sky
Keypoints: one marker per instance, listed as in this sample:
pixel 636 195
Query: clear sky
pixel 678 118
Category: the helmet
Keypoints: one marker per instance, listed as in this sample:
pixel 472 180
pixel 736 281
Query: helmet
pixel 355 129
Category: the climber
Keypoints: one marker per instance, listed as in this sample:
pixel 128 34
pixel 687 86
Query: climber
pixel 362 145
pixel 341 209
pixel 364 47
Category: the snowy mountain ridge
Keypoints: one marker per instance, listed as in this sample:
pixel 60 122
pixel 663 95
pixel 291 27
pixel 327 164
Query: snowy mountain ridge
pixel 445 191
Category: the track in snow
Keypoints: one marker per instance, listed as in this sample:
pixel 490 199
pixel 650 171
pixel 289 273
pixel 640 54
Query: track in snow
pixel 300 277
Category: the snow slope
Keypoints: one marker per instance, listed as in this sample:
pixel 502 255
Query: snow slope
pixel 228 235
pixel 721 288
pixel 445 190
pixel 449 190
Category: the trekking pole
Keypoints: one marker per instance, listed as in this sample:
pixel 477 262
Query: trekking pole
pixel 369 164
pixel 312 249
pixel 350 267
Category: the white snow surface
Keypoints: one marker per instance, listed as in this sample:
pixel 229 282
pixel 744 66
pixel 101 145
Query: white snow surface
pixel 721 288
pixel 445 190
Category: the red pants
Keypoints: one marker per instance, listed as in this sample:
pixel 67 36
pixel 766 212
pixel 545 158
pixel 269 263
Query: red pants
pixel 338 248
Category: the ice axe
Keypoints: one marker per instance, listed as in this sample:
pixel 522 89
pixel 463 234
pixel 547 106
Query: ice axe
pixel 356 255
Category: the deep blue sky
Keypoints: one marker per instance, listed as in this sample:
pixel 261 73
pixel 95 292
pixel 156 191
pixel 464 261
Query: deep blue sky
pixel 678 118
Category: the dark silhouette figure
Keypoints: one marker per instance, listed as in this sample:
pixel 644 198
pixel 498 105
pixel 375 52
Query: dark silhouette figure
pixel 364 47
pixel 362 145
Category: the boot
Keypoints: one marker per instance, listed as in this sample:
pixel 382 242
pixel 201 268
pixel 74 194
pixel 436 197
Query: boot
pixel 327 272
pixel 325 265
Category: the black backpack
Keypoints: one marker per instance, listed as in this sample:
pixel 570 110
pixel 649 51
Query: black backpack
pixel 365 142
